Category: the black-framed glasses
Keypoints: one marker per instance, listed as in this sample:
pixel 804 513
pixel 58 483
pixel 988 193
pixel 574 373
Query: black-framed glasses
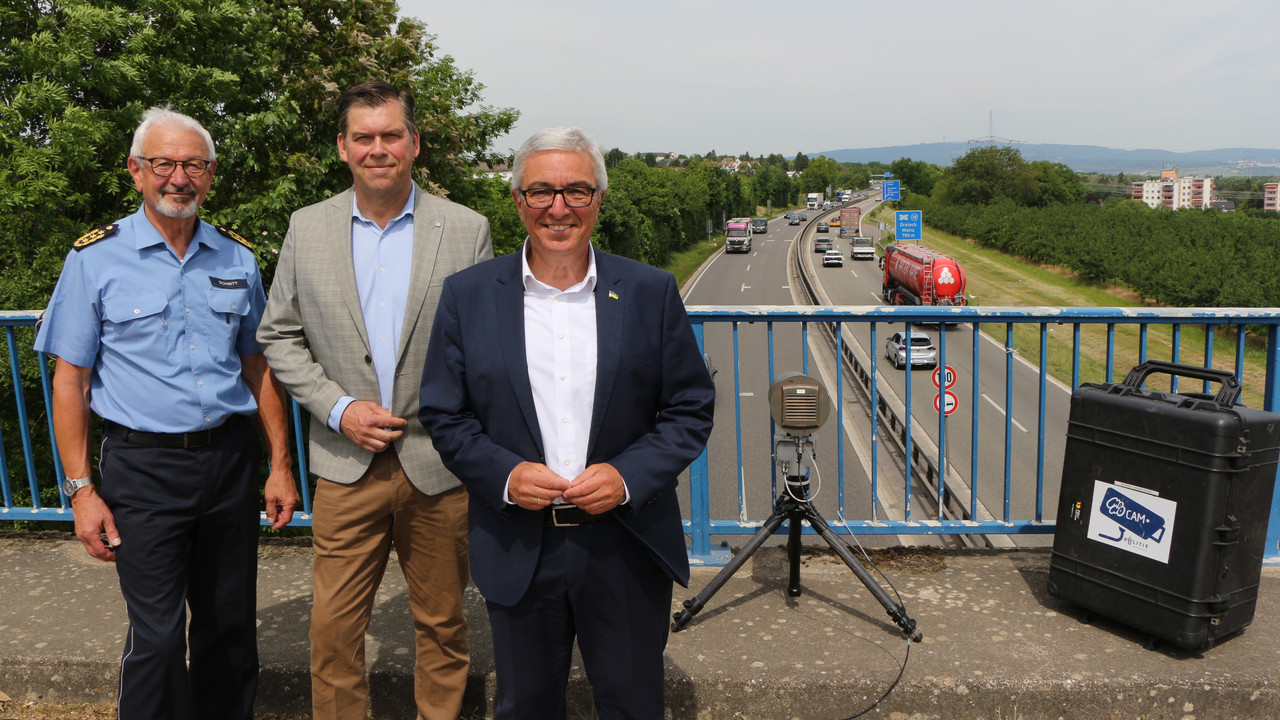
pixel 574 197
pixel 164 167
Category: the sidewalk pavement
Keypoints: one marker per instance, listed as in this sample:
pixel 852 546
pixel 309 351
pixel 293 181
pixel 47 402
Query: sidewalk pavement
pixel 996 645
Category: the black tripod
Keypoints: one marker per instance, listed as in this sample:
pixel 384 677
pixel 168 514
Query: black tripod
pixel 793 504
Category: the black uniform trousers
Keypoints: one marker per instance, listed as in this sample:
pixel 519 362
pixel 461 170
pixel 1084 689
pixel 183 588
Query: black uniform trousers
pixel 188 522
pixel 598 583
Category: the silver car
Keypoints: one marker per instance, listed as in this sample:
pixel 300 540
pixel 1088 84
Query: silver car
pixel 923 351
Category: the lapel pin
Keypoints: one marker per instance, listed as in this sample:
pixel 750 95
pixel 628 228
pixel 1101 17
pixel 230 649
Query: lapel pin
pixel 613 295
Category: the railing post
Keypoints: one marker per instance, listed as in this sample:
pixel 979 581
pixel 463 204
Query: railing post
pixel 1271 403
pixel 700 552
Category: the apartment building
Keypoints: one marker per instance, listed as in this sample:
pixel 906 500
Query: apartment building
pixel 1271 196
pixel 1175 192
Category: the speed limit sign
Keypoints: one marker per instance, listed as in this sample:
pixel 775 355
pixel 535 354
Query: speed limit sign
pixel 936 376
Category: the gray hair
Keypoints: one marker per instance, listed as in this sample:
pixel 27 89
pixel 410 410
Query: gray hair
pixel 163 115
pixel 560 138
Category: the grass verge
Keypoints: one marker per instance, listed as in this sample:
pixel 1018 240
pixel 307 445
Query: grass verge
pixel 684 264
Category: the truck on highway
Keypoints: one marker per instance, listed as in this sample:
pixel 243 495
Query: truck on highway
pixel 916 275
pixel 815 201
pixel 850 221
pixel 860 248
pixel 737 235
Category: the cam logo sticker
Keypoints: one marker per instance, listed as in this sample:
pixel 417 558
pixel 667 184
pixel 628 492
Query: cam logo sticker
pixel 1132 520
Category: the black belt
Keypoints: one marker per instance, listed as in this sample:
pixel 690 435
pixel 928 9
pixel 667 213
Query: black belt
pixel 199 438
pixel 569 516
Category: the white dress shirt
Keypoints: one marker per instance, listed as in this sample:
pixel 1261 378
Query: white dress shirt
pixel 560 347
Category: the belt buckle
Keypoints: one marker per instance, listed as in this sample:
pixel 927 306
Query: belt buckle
pixel 555 517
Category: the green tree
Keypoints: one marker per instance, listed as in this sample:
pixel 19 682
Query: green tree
pixel 986 174
pixel 771 185
pixel 916 175
pixel 262 76
pixel 1056 183
pixel 613 157
pixel 800 163
pixel 821 173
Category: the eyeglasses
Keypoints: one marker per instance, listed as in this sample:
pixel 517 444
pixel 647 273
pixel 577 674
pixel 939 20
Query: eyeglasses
pixel 164 167
pixel 574 197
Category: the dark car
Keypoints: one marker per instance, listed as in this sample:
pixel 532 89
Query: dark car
pixel 824 227
pixel 793 220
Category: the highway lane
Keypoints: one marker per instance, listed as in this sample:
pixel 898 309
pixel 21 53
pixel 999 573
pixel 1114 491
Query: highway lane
pixel 859 283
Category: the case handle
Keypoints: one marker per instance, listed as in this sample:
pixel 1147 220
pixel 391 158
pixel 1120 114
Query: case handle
pixel 1227 395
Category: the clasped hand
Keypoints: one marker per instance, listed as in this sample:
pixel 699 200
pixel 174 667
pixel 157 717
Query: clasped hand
pixel 598 489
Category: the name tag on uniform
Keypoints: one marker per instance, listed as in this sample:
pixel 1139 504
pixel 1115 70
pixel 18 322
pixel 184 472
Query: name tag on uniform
pixel 228 284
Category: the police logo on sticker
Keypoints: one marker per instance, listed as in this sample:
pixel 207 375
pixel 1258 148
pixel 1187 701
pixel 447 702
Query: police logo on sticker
pixel 228 284
pixel 233 235
pixel 1132 519
pixel 95 235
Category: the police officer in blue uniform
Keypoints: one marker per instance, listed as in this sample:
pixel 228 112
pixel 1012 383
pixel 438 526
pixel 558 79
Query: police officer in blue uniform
pixel 153 323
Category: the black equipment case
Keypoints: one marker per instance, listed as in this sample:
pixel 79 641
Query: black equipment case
pixel 1165 499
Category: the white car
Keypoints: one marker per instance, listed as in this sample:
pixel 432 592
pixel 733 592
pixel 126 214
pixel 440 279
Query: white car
pixel 832 258
pixel 923 351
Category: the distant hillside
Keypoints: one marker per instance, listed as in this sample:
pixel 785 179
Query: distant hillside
pixel 1088 158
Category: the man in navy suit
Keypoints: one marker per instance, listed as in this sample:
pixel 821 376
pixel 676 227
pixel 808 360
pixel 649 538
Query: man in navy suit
pixel 565 388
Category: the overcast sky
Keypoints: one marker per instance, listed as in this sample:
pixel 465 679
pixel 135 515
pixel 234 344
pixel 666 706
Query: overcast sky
pixel 761 77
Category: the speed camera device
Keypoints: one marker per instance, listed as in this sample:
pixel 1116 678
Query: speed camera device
pixel 798 403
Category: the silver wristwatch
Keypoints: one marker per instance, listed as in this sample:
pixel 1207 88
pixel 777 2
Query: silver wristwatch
pixel 70 485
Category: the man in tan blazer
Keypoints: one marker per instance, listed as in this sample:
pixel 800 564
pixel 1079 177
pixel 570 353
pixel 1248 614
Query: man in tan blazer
pixel 346 329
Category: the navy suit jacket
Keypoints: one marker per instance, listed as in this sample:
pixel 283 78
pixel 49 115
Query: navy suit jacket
pixel 652 411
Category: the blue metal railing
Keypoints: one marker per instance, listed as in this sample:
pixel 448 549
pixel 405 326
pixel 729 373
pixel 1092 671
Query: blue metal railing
pixel 897 472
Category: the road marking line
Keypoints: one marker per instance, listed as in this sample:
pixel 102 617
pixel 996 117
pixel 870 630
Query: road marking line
pixel 745 287
pixel 1002 412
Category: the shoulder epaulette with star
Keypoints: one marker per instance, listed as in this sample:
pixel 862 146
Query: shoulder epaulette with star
pixel 233 235
pixel 95 235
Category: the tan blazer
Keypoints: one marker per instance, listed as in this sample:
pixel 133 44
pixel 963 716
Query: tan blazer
pixel 313 332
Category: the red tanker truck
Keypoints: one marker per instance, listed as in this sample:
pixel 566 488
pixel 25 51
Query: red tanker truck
pixel 916 275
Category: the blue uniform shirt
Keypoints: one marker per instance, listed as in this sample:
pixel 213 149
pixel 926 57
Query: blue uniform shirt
pixel 164 336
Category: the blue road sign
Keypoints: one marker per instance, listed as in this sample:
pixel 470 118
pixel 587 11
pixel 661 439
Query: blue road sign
pixel 909 224
pixel 891 190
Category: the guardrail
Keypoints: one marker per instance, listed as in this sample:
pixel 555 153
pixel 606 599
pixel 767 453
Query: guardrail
pixel 1123 337
pixel 983 489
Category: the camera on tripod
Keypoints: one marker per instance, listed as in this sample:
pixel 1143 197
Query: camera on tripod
pixel 799 405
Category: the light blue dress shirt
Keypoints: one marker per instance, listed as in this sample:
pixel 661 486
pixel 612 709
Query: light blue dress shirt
pixel 164 336
pixel 383 260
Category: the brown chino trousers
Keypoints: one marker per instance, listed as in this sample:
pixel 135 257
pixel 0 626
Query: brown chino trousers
pixel 355 527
